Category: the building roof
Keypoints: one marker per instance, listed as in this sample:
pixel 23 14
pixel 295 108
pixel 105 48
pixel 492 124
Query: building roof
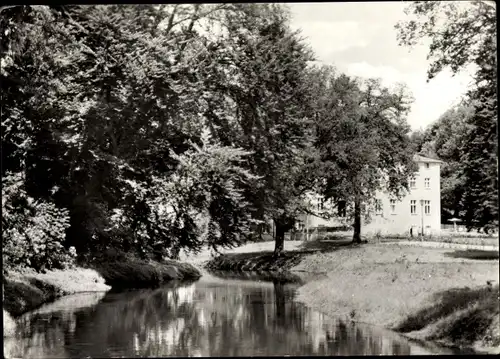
pixel 420 158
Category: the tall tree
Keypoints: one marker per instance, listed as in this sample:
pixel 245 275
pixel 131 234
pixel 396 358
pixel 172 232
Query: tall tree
pixel 463 34
pixel 364 142
pixel 99 102
pixel 445 140
pixel 264 83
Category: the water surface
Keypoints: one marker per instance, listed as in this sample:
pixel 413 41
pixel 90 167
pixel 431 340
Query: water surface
pixel 211 317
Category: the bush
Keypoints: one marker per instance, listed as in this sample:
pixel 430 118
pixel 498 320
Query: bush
pixel 33 231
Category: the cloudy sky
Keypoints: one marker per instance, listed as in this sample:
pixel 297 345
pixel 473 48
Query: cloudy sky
pixel 359 39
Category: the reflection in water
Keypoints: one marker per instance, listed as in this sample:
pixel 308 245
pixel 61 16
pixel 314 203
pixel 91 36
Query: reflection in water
pixel 206 318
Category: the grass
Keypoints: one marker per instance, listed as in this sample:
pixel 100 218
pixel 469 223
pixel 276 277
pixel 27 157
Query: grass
pixel 475 254
pixel 136 273
pixel 392 286
pixel 264 260
pixel 27 290
pixel 389 284
pixel 459 315
pixel 258 261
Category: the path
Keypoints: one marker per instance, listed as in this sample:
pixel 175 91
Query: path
pixel 443 245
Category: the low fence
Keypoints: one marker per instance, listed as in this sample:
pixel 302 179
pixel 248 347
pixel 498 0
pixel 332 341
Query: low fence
pixel 451 227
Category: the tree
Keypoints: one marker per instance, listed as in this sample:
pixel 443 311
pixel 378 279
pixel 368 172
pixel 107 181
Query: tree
pixel 121 106
pixel 363 138
pixel 463 34
pixel 263 83
pixel 460 32
pixel 445 140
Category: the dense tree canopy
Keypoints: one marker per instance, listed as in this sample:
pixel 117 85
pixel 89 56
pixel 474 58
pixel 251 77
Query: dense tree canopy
pixel 363 140
pixel 160 128
pixel 462 34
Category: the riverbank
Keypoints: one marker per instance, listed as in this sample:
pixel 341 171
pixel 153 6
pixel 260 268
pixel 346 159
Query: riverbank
pixel 27 290
pixel 446 295
pixel 426 293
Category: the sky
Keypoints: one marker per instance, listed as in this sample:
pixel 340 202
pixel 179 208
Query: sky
pixel 359 39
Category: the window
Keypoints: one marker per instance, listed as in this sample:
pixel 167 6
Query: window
pixel 393 206
pixel 427 207
pixel 378 206
pixel 341 208
pixel 413 206
pixel 413 183
pixel 427 182
pixel 426 165
pixel 321 204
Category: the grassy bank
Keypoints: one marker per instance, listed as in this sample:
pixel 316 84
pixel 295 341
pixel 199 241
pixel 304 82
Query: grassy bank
pixel 255 262
pixel 25 291
pixel 259 257
pixel 123 273
pixel 427 293
pixel 445 295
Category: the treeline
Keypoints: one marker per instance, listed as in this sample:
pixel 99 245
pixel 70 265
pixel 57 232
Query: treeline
pixel 157 128
pixel 466 136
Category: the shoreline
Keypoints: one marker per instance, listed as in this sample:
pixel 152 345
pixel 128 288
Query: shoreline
pixel 27 290
pixel 396 287
pixel 405 286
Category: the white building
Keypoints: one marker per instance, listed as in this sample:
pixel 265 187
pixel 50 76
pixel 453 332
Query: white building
pixel 419 208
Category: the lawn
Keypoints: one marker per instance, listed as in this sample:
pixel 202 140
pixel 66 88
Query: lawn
pixel 427 293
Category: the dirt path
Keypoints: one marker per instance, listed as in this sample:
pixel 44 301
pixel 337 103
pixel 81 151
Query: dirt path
pixel 443 245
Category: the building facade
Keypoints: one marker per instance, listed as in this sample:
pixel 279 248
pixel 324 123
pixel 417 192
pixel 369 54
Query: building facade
pixel 419 210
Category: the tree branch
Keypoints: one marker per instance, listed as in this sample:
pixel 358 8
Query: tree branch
pixel 2 8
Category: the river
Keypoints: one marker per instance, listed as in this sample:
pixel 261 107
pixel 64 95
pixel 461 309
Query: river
pixel 210 317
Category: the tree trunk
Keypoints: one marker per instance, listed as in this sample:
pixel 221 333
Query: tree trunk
pixel 279 241
pixel 282 224
pixel 356 238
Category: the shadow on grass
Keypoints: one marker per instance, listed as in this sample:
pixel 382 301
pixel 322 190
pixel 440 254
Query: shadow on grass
pixel 135 273
pixel 474 254
pixel 21 297
pixel 461 315
pixel 266 261
pixel 123 271
pixel 327 245
pixel 280 277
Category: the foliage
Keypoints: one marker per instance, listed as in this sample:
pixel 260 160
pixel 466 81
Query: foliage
pixel 363 140
pixel 462 34
pixel 459 31
pixel 33 231
pixel 200 204
pixel 123 103
pixel 259 102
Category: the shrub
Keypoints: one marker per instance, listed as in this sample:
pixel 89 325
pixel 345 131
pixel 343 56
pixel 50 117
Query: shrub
pixel 32 231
